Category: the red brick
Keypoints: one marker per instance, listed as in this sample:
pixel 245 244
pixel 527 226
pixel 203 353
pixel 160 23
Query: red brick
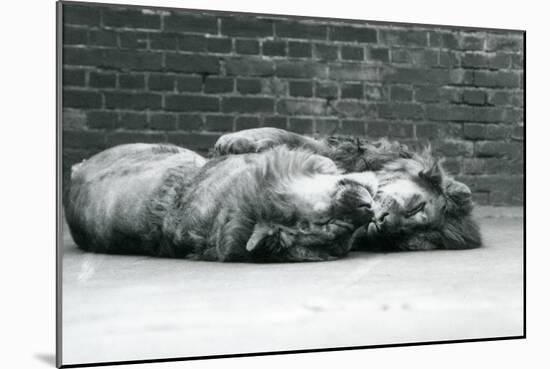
pixel 246 26
pixel 327 126
pixel 326 89
pixel 424 58
pixel 354 108
pixel 301 125
pixel 380 54
pixel 196 43
pixel 474 97
pixel 74 119
pixel 375 92
pixel 352 91
pixel 352 53
pixel 191 23
pixel 354 72
pixel 443 39
pixel 74 36
pixel 471 41
pixel 103 38
pixel 218 85
pixel 499 149
pixel 189 84
pixel 300 88
pixel 133 40
pixel 218 45
pixel 301 107
pixel 400 93
pixel 219 123
pixel 130 18
pixel 400 110
pixel 192 63
pixel 292 29
pixel 247 47
pixel 161 82
pixel 131 81
pixel 404 37
pixel 192 103
pixel 249 86
pixel 387 129
pixel 505 43
pixel 300 69
pixel 81 99
pixel 163 41
pixel 326 52
pixel 496 79
pixel 163 121
pixel 73 77
pixel 133 121
pixel 453 148
pixel 427 94
pixel 100 119
pixel 247 122
pixel 190 122
pixel 353 127
pixel 86 15
pixel 248 104
pixel 353 34
pixel 112 58
pixel 83 139
pixel 249 67
pixel 275 121
pixel 448 59
pixel 274 48
pixel 298 49
pixel 137 101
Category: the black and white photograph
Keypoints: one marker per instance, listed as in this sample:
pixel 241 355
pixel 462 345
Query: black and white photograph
pixel 244 184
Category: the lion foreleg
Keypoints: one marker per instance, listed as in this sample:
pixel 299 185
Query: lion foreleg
pixel 232 236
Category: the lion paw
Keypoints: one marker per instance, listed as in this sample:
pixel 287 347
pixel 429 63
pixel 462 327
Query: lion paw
pixel 235 144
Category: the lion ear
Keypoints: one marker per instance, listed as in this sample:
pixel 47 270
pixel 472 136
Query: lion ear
pixel 460 194
pixel 268 237
pixel 434 174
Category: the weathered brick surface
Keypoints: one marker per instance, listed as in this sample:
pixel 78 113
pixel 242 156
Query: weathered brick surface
pixel 133 74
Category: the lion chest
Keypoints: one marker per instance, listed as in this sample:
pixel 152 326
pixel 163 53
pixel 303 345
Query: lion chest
pixel 313 192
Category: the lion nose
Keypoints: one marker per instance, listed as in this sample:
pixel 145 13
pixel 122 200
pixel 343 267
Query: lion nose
pixel 365 206
pixel 381 218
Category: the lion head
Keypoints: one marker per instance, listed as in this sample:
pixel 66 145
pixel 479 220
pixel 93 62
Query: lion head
pixel 304 208
pixel 419 206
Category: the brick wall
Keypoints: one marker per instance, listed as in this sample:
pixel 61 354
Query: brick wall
pixel 144 75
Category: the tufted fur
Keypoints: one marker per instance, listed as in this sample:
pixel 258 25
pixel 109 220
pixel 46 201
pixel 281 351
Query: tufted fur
pixel 168 201
pixel 450 227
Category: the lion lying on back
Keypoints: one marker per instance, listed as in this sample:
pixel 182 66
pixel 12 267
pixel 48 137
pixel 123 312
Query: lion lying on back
pixel 419 207
pixel 162 200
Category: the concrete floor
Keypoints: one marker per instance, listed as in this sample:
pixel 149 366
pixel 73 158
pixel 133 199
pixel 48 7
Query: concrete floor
pixel 133 307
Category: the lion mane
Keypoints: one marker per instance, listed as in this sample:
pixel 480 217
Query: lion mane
pixel 455 227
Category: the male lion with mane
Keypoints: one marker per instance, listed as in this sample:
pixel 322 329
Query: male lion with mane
pixel 419 207
pixel 279 205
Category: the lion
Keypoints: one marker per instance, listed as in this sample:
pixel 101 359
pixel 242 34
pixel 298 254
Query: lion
pixel 419 206
pixel 162 200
